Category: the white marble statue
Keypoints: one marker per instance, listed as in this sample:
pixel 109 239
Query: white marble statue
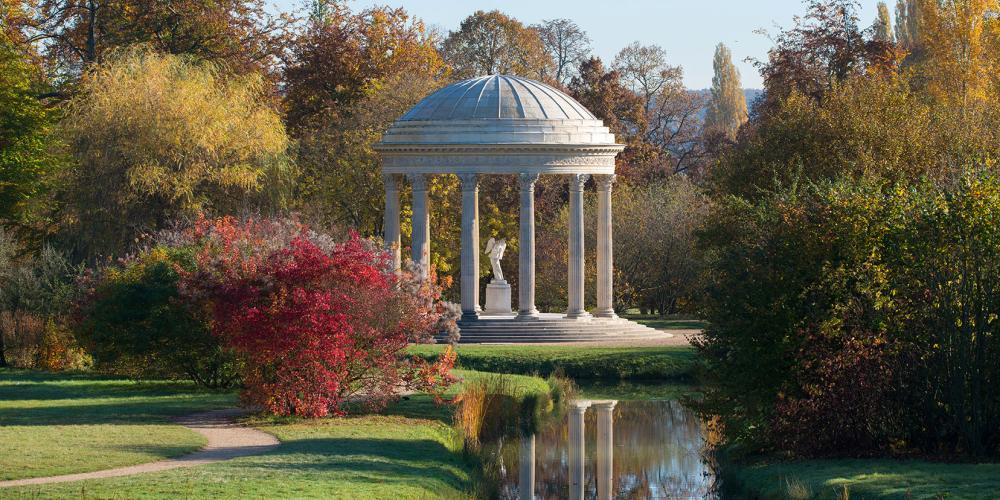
pixel 495 249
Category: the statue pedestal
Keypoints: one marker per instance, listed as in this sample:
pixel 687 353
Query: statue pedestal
pixel 498 298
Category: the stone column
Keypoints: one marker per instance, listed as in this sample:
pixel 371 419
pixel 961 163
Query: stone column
pixel 576 267
pixel 605 448
pixel 605 251
pixel 470 247
pixel 526 251
pixel 526 469
pixel 421 241
pixel 390 223
pixel 577 455
pixel 478 249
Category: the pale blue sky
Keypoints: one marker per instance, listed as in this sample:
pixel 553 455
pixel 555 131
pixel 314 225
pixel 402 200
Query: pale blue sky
pixel 688 29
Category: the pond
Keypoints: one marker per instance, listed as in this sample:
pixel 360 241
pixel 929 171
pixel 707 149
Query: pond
pixel 657 450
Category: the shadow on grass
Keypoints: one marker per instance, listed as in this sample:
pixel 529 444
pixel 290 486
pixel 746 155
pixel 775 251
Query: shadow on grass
pixel 142 410
pixel 410 461
pixel 35 385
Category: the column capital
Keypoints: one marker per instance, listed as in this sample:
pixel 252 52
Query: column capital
pixel 604 406
pixel 527 180
pixel 604 182
pixel 390 182
pixel 470 181
pixel 418 181
pixel 579 405
pixel 576 181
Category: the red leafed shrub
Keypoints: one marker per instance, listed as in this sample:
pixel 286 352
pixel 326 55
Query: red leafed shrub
pixel 316 322
pixel 852 397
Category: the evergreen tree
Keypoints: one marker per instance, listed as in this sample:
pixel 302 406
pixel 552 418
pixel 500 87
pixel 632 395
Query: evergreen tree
pixel 883 25
pixel 727 108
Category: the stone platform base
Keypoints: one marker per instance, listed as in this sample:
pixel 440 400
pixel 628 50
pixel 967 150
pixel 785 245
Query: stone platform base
pixel 551 327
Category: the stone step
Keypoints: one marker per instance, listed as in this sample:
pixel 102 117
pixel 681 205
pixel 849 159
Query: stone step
pixel 546 339
pixel 553 328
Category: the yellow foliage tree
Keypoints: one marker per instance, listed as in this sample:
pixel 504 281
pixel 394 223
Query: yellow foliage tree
pixel 158 137
pixel 955 38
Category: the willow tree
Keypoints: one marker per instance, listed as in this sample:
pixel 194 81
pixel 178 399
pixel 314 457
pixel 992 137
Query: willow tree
pixel 727 108
pixel 158 137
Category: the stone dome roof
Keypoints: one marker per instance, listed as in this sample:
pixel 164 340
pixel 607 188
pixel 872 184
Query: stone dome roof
pixel 498 97
pixel 498 124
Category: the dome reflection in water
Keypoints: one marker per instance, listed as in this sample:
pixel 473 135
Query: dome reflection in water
pixel 658 452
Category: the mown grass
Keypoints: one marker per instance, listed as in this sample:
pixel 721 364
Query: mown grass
pixel 675 363
pixel 667 323
pixel 874 478
pixel 53 424
pixel 410 450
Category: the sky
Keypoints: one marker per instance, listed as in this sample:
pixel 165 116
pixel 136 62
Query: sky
pixel 688 30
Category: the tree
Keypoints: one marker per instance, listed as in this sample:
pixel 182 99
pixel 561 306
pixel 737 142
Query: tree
pixel 658 266
pixel 566 44
pixel 349 77
pixel 488 43
pixel 825 47
pixel 160 137
pixel 25 157
pixel 669 141
pixel 604 94
pixel 14 19
pixel 36 291
pixel 907 25
pixel 957 64
pixel 883 25
pixel 645 70
pixel 727 108
pixel 134 322
pixel 239 33
pixel 316 321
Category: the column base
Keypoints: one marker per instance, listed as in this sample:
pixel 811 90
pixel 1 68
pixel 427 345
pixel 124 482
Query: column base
pixel 528 315
pixel 607 313
pixel 470 316
pixel 577 315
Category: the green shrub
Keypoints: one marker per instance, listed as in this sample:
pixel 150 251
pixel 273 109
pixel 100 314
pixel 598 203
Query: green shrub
pixel 857 317
pixel 133 324
pixel 36 291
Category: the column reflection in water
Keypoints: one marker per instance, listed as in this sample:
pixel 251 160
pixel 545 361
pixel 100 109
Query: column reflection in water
pixel 526 470
pixel 605 447
pixel 577 452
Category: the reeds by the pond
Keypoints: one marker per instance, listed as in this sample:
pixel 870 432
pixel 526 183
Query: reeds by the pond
pixel 494 407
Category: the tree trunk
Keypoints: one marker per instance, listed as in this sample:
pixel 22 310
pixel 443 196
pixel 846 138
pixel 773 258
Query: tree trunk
pixel 3 357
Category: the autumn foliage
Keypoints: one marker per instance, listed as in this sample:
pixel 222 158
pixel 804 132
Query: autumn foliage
pixel 316 322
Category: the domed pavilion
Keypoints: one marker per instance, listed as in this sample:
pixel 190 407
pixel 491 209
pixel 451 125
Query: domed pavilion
pixel 507 125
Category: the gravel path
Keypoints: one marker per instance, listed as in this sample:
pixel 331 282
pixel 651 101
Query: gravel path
pixel 226 440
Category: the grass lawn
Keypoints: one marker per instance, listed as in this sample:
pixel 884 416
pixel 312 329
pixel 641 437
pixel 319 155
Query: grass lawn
pixel 869 479
pixel 54 424
pixel 662 323
pixel 578 362
pixel 410 451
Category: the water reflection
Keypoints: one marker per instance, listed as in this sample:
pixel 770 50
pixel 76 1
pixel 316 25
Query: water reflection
pixel 632 449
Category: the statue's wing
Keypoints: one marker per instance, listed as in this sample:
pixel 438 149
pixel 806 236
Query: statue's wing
pixel 489 245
